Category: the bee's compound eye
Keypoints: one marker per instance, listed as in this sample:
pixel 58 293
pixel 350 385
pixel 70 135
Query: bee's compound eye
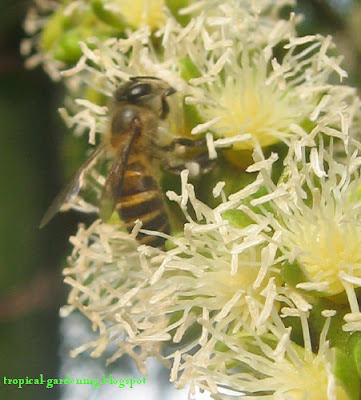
pixel 137 91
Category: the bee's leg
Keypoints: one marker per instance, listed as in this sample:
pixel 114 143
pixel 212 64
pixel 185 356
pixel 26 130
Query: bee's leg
pixel 184 153
pixel 199 165
pixel 187 143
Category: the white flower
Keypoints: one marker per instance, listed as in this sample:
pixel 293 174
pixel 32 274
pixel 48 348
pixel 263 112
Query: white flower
pixel 317 216
pixel 267 368
pixel 252 92
pixel 110 281
pixel 150 296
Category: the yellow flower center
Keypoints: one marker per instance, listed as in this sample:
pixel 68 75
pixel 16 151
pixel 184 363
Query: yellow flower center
pixel 143 12
pixel 228 285
pixel 328 248
pixel 310 382
pixel 247 104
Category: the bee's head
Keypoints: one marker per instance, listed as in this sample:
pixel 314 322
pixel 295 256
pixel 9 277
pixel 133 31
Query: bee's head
pixel 146 91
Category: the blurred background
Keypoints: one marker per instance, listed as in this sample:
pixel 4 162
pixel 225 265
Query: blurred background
pixel 32 338
pixel 31 288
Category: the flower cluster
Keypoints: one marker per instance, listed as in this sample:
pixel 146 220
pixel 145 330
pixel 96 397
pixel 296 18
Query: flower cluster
pixel 257 292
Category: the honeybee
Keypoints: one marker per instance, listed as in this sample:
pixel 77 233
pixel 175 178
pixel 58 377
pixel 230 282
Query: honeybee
pixel 137 109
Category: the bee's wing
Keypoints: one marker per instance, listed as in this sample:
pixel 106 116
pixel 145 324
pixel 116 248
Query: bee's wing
pixel 113 185
pixel 72 188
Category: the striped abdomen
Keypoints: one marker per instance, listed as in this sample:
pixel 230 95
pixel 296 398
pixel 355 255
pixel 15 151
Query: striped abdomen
pixel 142 199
